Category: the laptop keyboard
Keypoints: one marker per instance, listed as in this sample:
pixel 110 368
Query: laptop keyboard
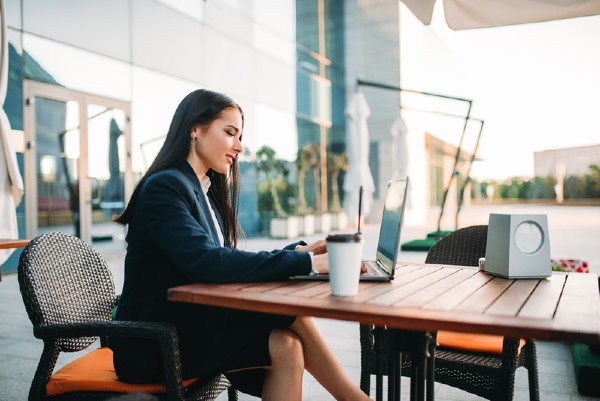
pixel 372 268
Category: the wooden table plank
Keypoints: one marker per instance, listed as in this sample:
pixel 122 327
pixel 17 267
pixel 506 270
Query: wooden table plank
pixel 533 320
pixel 511 300
pixel 404 268
pixel 373 291
pixel 480 300
pixel 425 281
pixel 454 297
pixel 266 287
pixel 363 287
pixel 407 275
pixel 346 309
pixel 13 243
pixel 319 288
pixel 437 289
pixel 542 303
pixel 579 307
pixel 294 287
pixel 579 297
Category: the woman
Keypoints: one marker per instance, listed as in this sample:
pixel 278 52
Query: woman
pixel 183 228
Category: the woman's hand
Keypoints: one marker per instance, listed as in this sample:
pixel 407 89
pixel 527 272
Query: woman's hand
pixel 320 264
pixel 317 248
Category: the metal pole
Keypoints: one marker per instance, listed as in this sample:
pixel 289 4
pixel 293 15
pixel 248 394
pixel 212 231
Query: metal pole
pixel 360 82
pixel 468 175
pixel 454 172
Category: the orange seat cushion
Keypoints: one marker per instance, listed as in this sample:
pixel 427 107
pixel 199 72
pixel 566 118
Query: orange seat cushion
pixel 473 342
pixel 95 372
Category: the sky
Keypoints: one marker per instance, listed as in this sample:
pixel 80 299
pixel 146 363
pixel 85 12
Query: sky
pixel 536 86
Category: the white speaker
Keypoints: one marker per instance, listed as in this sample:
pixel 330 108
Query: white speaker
pixel 518 246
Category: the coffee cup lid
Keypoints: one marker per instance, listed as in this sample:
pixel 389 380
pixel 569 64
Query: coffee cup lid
pixel 344 238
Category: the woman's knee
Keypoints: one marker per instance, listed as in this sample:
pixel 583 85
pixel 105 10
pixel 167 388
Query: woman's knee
pixel 285 347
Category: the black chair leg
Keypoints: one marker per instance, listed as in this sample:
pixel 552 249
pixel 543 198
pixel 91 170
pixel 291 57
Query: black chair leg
pixel 532 371
pixel 431 367
pixel 379 377
pixel 367 358
pixel 232 394
pixel 392 376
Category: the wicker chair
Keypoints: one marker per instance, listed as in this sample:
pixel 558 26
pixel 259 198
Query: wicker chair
pixel 69 295
pixel 491 376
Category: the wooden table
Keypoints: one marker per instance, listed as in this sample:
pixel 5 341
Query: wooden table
pixel 428 298
pixel 10 244
pixel 13 243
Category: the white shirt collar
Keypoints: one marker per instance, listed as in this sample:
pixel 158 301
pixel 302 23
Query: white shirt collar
pixel 205 184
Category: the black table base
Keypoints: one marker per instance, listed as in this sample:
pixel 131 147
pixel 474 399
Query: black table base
pixel 392 344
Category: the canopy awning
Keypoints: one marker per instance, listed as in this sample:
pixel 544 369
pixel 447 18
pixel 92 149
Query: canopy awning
pixel 470 14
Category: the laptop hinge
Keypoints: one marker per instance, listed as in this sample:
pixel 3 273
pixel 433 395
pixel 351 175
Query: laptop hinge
pixel 382 266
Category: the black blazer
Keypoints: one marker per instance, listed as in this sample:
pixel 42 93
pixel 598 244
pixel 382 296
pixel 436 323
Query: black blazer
pixel 172 241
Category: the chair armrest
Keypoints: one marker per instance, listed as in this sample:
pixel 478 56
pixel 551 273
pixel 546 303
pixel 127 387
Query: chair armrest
pixel 151 330
pixel 164 333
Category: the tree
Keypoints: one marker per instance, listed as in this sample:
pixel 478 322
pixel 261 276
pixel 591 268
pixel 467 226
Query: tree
pixel 594 181
pixel 274 169
pixel 335 164
pixel 308 158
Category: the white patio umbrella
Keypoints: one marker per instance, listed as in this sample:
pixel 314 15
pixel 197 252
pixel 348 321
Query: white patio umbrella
pixel 399 132
pixel 469 14
pixel 11 182
pixel 359 173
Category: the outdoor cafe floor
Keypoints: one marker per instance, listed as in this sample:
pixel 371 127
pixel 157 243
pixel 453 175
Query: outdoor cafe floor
pixel 574 232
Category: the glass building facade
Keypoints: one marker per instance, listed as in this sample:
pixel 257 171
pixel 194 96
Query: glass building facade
pixel 93 86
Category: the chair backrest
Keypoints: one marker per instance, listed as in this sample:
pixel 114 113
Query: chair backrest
pixel 463 247
pixel 63 280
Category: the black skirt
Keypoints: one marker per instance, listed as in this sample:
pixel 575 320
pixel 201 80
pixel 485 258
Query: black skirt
pixel 235 340
pixel 212 340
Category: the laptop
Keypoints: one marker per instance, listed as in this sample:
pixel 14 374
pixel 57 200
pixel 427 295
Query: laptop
pixel 383 266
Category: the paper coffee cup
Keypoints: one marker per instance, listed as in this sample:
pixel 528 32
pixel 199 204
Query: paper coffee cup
pixel 345 257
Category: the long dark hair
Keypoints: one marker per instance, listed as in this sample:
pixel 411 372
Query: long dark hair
pixel 200 107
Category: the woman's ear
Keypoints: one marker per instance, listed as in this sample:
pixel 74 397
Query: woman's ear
pixel 196 131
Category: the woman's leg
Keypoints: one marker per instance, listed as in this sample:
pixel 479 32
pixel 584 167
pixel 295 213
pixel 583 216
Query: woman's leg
pixel 320 361
pixel 284 377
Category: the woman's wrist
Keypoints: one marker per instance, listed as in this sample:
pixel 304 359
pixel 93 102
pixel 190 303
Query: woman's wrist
pixel 311 254
pixel 312 262
pixel 319 264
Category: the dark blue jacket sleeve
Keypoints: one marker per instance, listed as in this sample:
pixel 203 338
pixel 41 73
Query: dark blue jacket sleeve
pixel 176 219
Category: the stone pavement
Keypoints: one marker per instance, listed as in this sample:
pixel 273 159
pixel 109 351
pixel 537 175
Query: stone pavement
pixel 574 233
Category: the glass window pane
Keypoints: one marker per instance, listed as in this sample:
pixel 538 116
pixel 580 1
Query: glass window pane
pixel 278 16
pixel 165 40
pixel 106 168
pixel 13 104
pixel 12 12
pixel 233 21
pixel 314 97
pixel 155 97
pixel 57 157
pixel 55 63
pixel 273 44
pixel 307 20
pixel 276 129
pixel 191 8
pixel 225 72
pixel 98 26
pixel 274 83
pixel 307 63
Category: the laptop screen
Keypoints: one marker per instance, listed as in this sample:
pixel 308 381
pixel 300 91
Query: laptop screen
pixel 391 222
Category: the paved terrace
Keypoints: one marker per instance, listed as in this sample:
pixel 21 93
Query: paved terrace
pixel 574 233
